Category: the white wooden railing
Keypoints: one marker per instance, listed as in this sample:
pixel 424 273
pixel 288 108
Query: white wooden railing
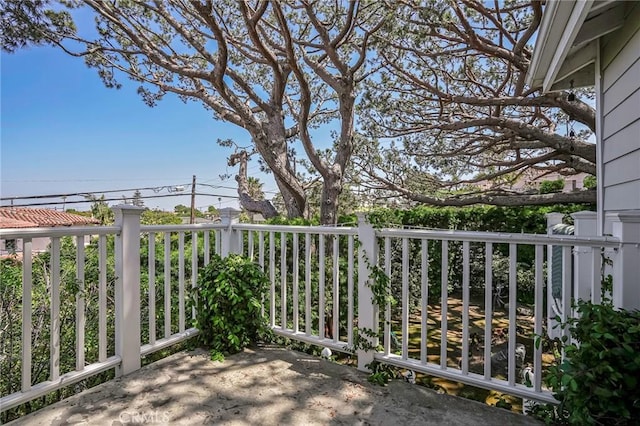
pixel 83 370
pixel 127 347
pixel 486 242
pixel 315 245
pixel 211 238
pixel 320 292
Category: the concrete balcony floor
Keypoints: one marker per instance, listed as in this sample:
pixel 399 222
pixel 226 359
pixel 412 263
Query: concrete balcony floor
pixel 263 386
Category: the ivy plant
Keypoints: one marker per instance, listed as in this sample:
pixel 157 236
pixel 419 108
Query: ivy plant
pixel 228 309
pixel 381 374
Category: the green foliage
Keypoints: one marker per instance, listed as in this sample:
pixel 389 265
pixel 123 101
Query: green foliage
pixel 362 339
pixel 298 221
pixel 549 186
pixel 79 213
pixel 26 23
pixel 100 210
pixel 503 403
pixel 317 281
pixel 528 219
pixel 525 219
pixel 137 199
pixel 228 299
pixel 182 210
pixel 158 217
pixel 70 289
pixel 590 182
pixel 380 286
pixel 500 268
pixel 11 315
pixel 597 382
pixel 381 374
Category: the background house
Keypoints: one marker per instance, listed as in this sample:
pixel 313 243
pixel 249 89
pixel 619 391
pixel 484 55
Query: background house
pixel 531 179
pixel 21 217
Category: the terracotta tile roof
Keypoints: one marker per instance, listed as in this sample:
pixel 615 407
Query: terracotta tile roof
pixel 7 222
pixel 21 217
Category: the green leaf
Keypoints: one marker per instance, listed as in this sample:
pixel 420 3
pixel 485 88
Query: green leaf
pixel 232 312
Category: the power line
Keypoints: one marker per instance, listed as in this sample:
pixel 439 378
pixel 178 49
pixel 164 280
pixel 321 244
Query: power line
pixel 83 180
pixel 118 199
pixel 170 188
pixel 230 187
pixel 82 194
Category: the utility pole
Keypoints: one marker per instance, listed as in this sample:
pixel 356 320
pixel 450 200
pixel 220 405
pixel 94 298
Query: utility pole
pixel 193 200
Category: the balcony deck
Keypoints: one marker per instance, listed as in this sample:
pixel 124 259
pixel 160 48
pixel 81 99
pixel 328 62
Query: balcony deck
pixel 266 386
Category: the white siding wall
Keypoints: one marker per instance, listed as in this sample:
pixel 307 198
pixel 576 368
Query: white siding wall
pixel 621 114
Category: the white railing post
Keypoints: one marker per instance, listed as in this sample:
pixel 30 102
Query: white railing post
pixel 626 263
pixel 231 239
pixel 127 288
pixel 553 219
pixel 584 271
pixel 367 311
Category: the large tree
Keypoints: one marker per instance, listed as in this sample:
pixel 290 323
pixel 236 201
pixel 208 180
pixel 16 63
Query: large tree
pixel 451 97
pixel 278 69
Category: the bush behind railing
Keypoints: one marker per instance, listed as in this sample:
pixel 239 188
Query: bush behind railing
pixel 314 278
pixel 11 312
pixel 519 219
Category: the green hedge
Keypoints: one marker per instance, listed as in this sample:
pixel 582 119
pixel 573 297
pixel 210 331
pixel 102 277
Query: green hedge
pixel 527 219
pixel 522 219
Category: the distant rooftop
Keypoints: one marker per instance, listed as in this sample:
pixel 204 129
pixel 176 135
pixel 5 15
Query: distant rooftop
pixel 21 217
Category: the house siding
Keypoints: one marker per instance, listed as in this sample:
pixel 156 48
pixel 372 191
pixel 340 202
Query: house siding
pixel 620 62
pixel 38 245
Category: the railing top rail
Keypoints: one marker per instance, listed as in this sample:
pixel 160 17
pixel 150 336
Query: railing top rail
pixel 496 237
pixel 58 231
pixel 336 230
pixel 185 227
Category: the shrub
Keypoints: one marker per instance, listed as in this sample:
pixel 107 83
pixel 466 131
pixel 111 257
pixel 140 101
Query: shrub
pixel 228 304
pixel 590 182
pixel 549 186
pixel 597 382
pixel 527 219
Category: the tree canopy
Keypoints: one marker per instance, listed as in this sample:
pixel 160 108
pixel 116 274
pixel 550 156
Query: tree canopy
pixel 24 23
pixel 452 98
pixel 430 97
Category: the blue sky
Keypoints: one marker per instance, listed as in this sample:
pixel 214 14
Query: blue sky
pixel 62 131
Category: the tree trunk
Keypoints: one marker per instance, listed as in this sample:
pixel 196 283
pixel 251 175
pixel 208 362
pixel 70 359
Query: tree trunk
pixel 264 207
pixel 295 205
pixel 271 144
pixel 331 190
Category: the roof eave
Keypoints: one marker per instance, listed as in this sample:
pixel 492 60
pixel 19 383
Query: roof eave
pixel 560 25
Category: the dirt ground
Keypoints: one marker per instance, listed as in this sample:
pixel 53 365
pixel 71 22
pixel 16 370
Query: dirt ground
pixel 263 386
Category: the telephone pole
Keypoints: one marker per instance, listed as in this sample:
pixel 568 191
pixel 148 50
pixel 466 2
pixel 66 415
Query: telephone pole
pixel 193 200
